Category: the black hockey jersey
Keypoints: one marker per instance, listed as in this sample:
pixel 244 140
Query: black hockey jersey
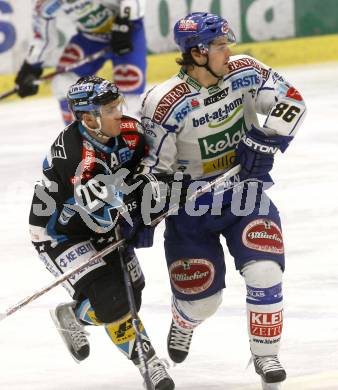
pixel 76 198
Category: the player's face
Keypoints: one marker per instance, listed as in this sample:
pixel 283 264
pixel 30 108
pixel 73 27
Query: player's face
pixel 219 53
pixel 111 115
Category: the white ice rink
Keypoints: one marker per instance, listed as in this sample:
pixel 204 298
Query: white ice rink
pixel 32 353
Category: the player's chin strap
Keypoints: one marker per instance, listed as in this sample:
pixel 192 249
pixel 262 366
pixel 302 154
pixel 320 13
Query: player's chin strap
pixel 97 130
pixel 204 50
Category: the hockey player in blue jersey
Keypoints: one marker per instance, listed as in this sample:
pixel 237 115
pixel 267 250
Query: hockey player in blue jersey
pixel 204 121
pixel 117 24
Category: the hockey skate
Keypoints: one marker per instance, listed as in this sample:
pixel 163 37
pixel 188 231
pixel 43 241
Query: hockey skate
pixel 159 377
pixel 271 371
pixel 71 331
pixel 178 343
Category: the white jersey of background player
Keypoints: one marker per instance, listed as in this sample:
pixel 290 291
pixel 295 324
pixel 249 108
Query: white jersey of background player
pixel 96 25
pixel 203 121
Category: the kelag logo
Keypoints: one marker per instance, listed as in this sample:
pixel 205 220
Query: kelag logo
pixel 7 30
pixel 219 143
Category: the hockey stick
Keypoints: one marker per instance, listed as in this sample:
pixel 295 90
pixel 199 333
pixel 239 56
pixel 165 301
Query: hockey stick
pixel 133 312
pixel 60 279
pixel 60 70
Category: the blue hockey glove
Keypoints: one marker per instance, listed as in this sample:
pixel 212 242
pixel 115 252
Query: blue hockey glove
pixel 160 187
pixel 255 153
pixel 138 235
pixel 121 36
pixel 26 78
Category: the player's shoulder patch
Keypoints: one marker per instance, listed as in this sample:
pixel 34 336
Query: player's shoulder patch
pixel 243 62
pixel 58 149
pixel 170 94
pixel 47 8
pixel 66 149
pixel 131 131
pixel 128 123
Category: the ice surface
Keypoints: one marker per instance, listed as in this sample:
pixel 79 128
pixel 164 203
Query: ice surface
pixel 32 353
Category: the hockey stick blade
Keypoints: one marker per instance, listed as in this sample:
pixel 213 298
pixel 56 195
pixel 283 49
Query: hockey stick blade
pixel 60 279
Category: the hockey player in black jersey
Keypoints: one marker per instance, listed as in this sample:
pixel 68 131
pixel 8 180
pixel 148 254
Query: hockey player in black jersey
pixel 74 209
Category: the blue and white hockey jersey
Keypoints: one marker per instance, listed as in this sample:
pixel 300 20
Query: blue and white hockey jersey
pixel 196 129
pixel 93 18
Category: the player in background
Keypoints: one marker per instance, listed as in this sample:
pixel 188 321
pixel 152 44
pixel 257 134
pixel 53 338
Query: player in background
pixel 203 121
pixel 117 24
pixel 73 211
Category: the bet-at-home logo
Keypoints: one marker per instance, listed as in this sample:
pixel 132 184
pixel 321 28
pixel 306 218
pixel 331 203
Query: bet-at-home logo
pixel 216 118
pixel 216 144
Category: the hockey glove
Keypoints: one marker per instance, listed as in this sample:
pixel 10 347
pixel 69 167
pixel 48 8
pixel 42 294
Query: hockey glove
pixel 26 78
pixel 162 188
pixel 255 153
pixel 138 235
pixel 154 191
pixel 121 36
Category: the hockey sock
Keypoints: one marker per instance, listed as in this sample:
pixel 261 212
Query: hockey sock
pixel 122 334
pixel 264 306
pixel 189 314
pixel 86 314
pixel 181 319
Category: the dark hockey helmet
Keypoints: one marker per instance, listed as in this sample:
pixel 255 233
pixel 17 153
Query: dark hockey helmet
pixel 89 93
pixel 199 29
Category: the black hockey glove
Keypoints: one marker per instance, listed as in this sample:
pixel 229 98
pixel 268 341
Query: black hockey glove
pixel 154 194
pixel 25 79
pixel 121 36
pixel 255 153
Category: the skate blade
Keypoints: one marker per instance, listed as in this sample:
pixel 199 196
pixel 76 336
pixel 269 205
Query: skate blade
pixel 58 328
pixel 271 386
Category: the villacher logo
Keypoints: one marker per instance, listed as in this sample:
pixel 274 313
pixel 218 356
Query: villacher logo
pixel 191 276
